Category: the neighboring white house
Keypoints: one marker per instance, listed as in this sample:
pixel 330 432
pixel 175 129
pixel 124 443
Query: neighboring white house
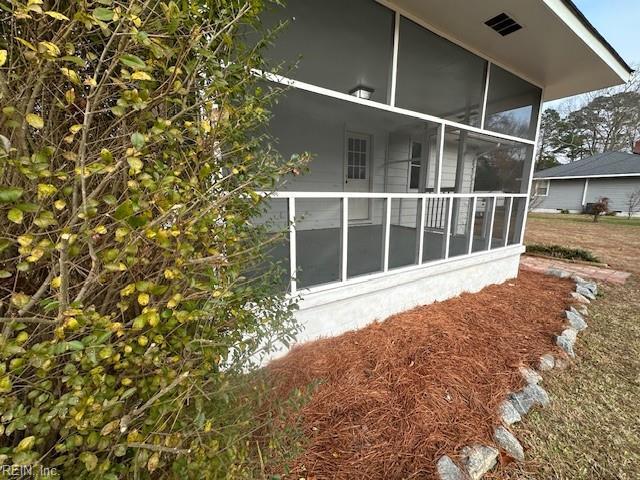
pixel 575 186
pixel 422 116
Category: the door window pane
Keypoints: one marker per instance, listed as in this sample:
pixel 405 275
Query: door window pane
pixel 512 104
pixel 438 77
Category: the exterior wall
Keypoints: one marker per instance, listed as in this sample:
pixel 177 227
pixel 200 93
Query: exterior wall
pixel 563 194
pixel 617 190
pixel 357 305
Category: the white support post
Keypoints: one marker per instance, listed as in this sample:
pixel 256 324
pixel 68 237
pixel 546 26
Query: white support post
pixel 492 220
pixel 441 138
pixel 486 96
pixel 344 248
pixel 508 222
pixel 387 234
pixel 474 205
pixel 293 261
pixel 447 233
pixel 534 148
pixel 421 220
pixel 585 192
pixel 394 65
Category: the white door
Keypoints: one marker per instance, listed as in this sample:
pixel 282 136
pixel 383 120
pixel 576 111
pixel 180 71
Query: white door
pixel 358 174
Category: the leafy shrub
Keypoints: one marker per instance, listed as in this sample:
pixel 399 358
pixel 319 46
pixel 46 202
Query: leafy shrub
pixel 558 251
pixel 564 211
pixel 601 207
pixel 130 161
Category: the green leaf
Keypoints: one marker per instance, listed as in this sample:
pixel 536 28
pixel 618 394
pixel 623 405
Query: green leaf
pixel 132 61
pixel 123 211
pixel 137 140
pixel 34 120
pixel 90 461
pixel 10 194
pixel 104 14
pixel 5 274
pixel 15 215
pixel 75 345
pixel 26 444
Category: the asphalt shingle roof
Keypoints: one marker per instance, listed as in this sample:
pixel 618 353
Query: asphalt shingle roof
pixel 610 163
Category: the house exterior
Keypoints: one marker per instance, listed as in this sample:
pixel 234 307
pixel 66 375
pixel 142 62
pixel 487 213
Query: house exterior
pixel 574 186
pixel 422 117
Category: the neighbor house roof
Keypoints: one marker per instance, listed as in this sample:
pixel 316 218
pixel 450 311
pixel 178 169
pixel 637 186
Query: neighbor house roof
pixel 610 164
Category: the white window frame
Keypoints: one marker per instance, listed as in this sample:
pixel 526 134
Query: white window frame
pixel 538 183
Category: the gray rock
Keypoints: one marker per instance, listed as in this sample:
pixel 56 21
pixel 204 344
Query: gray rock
pixel 448 470
pixel 567 340
pixel 479 459
pixel 509 443
pixel 546 363
pixel 556 272
pixel 585 292
pixel 592 286
pixel 580 298
pixel 582 310
pixel 508 413
pixel 530 376
pixel 529 397
pixel 576 320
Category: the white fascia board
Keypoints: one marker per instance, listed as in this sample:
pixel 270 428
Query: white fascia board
pixel 578 177
pixel 566 15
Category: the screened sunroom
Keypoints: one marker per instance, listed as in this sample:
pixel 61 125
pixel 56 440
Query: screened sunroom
pixel 422 119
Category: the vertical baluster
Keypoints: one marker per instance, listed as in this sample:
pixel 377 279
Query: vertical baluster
pixel 508 222
pixel 474 205
pixel 344 248
pixel 386 233
pixel 293 261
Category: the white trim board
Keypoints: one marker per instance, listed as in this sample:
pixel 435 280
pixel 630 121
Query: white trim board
pixel 581 177
pixel 383 106
pixel 560 9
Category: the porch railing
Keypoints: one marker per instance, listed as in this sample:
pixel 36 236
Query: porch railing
pixel 436 213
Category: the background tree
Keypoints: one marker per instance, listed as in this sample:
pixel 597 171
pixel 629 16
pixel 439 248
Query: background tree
pixel 633 203
pixel 132 150
pixel 604 121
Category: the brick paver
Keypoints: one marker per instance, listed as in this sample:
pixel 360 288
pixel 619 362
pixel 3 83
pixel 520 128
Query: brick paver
pixel 543 265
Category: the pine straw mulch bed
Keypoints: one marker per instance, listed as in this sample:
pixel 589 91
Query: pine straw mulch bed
pixel 395 396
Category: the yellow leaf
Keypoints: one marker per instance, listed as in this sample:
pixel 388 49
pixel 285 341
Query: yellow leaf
pixel 90 82
pixel 25 444
pixel 143 299
pixel 100 230
pixel 153 462
pixel 128 290
pixel 20 299
pixel 50 48
pixel 169 274
pixel 56 15
pixel 71 75
pixel 45 190
pixel 70 96
pixel 25 240
pixel 56 282
pixel 59 204
pixel 109 427
pixel 75 128
pixel 34 120
pixel 27 44
pixel 36 254
pixel 141 76
pixel 3 57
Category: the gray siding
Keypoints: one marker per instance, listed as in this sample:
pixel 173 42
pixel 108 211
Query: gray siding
pixel 564 194
pixel 617 190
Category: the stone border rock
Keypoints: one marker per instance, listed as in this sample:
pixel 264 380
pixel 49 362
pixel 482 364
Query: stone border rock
pixel 477 460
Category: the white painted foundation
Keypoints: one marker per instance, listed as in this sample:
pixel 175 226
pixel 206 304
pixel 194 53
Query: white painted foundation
pixel 350 307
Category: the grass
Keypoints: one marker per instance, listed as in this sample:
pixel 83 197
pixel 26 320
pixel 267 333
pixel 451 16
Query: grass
pixel 606 220
pixel 558 251
pixel 591 430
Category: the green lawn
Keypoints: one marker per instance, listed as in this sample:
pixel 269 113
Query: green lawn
pixel 632 222
pixel 591 431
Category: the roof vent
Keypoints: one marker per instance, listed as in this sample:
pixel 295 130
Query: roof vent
pixel 503 24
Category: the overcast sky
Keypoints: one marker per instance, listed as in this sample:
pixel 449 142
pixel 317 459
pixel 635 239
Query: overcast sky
pixel 619 22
